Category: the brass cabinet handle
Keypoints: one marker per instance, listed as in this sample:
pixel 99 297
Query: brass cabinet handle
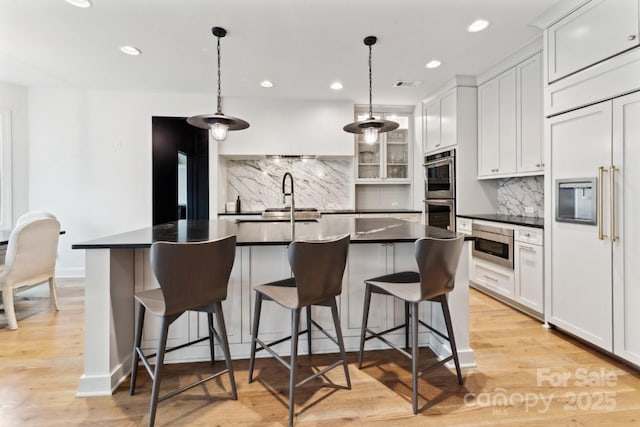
pixel 529 248
pixel 601 171
pixel 632 37
pixel 527 234
pixel 612 170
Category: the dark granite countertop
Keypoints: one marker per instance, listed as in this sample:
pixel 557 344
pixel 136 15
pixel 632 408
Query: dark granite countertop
pixel 252 233
pixel 337 211
pixel 526 221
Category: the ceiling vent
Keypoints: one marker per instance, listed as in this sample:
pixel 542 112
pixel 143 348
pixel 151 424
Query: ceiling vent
pixel 407 83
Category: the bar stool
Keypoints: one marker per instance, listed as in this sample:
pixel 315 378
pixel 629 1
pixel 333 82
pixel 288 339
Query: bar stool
pixel 437 263
pixel 193 277
pixel 317 269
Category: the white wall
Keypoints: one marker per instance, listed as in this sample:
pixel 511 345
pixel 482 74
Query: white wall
pixel 15 99
pixel 90 160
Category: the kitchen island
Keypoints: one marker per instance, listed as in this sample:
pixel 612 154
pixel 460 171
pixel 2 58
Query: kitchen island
pixel 118 265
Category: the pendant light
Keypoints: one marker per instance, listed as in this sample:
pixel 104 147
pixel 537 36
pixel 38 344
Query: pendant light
pixel 371 127
pixel 218 123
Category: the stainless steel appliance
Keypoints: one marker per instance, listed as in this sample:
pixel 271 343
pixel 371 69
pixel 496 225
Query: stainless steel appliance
pixel 576 200
pixel 439 175
pixel 494 244
pixel 440 213
pixel 440 190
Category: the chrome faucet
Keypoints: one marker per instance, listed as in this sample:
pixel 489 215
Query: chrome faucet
pixel 284 199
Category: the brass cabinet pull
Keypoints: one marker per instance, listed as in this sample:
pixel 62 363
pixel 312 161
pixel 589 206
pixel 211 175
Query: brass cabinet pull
pixel 632 37
pixel 529 248
pixel 614 233
pixel 600 195
pixel 527 234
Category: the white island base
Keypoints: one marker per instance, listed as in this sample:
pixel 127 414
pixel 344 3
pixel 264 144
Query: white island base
pixel 114 274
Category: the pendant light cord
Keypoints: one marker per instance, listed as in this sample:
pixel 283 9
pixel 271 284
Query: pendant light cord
pixel 219 97
pixel 370 84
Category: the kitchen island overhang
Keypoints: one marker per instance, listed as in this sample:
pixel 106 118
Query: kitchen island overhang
pixel 118 265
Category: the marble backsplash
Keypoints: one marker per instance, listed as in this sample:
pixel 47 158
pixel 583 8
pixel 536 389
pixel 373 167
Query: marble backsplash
pixel 322 184
pixel 516 194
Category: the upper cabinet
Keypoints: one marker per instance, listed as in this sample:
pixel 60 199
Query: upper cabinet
pixel 440 122
pixel 289 127
pixel 594 32
pixel 510 116
pixel 387 160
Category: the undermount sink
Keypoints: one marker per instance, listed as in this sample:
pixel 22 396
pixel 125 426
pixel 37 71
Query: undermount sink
pixel 300 214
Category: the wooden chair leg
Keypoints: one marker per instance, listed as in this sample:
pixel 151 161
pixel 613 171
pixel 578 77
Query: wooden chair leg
pixel 157 375
pixel 225 348
pixel 53 295
pixel 343 355
pixel 452 341
pixel 365 319
pixel 136 346
pixel 254 333
pixel 295 326
pixel 9 311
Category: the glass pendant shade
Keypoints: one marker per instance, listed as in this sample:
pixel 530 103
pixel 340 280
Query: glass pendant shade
pixel 219 131
pixel 370 135
pixel 219 123
pixel 371 127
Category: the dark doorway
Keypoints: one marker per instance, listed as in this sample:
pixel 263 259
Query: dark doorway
pixel 180 156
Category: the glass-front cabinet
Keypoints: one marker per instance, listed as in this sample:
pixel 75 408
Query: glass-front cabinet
pixel 389 158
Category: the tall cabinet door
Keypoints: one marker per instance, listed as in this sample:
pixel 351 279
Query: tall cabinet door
pixel 488 129
pixel 626 227
pixel 530 113
pixel 581 288
pixel 507 121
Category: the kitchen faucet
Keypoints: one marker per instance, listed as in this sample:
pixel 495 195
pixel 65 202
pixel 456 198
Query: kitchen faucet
pixel 284 199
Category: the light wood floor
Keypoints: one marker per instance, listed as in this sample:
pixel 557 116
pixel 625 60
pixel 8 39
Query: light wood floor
pixel 41 362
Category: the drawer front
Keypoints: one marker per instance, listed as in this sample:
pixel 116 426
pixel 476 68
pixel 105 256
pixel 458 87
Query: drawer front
pixel 529 235
pixel 464 225
pixel 494 277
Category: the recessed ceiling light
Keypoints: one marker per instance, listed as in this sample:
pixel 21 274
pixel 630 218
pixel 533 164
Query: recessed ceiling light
pixel 433 64
pixel 478 25
pixel 130 50
pixel 266 83
pixel 80 3
pixel 336 86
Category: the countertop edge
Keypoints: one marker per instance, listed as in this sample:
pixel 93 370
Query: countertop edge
pixel 506 220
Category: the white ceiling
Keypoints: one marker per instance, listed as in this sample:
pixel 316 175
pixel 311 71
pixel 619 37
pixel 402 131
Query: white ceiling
pixel 301 45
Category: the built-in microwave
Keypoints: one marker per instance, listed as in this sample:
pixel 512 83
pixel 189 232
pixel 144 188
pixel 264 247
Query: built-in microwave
pixel 493 244
pixel 439 175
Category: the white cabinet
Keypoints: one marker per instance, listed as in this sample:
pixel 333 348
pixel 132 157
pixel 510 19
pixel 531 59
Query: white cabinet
pixel 595 276
pixel 494 277
pixel 497 125
pixel 289 127
pixel 528 257
pixel 521 286
pixel 592 33
pixel 510 122
pixel 440 122
pixel 530 143
pixel 388 160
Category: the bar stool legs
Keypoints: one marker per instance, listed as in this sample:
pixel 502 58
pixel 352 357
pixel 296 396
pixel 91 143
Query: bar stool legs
pixel 411 339
pixel 294 337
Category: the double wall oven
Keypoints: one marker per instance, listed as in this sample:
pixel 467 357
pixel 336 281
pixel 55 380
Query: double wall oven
pixel 440 190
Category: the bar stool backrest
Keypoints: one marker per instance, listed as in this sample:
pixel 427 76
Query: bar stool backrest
pixel 437 263
pixel 318 267
pixel 193 274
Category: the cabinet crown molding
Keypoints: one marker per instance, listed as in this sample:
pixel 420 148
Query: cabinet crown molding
pixel 556 13
pixel 459 80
